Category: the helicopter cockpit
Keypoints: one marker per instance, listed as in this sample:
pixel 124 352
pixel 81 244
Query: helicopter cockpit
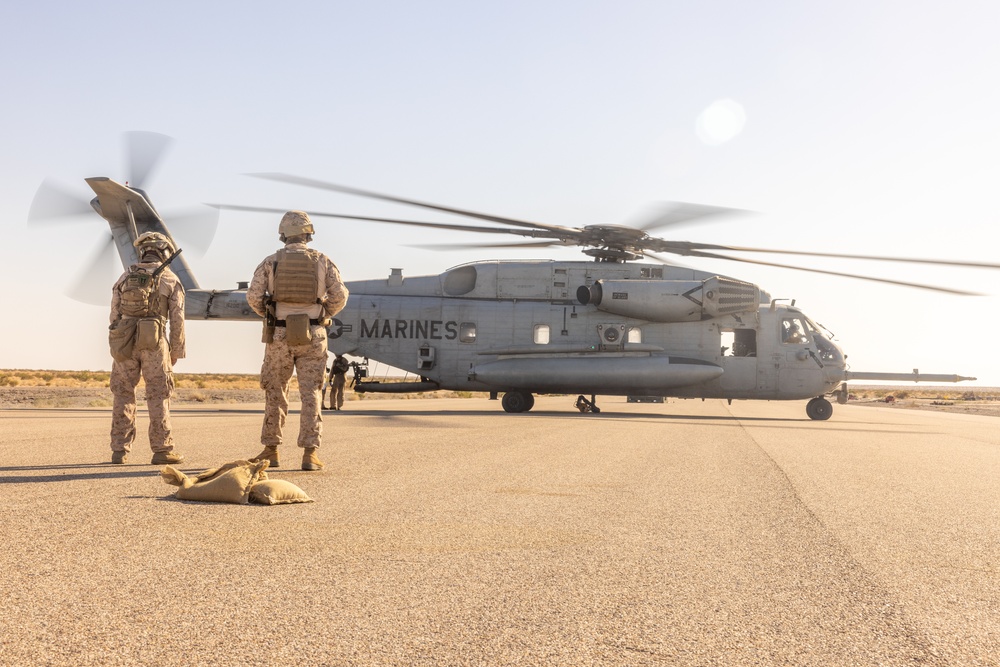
pixel 797 329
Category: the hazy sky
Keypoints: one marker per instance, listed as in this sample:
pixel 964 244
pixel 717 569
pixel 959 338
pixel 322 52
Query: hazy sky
pixel 858 127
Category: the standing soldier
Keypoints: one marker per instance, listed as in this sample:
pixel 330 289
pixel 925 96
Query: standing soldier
pixel 337 381
pixel 142 301
pixel 296 290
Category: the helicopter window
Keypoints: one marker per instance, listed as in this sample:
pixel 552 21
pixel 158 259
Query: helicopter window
pixel 635 335
pixel 794 331
pixel 467 332
pixel 739 342
pixel 459 281
pixel 650 272
pixel 542 334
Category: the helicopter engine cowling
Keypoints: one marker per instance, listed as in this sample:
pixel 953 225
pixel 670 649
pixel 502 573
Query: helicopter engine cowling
pixel 672 300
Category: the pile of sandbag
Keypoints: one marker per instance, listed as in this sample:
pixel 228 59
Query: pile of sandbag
pixel 240 482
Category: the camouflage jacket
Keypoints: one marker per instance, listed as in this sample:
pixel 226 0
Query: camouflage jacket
pixel 332 292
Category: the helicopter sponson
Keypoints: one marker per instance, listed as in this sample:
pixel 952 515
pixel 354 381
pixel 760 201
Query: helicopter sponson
pixel 621 375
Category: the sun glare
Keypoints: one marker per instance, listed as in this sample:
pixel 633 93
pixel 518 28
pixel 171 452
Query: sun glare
pixel 721 121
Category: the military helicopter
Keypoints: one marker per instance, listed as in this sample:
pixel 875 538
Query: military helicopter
pixel 612 325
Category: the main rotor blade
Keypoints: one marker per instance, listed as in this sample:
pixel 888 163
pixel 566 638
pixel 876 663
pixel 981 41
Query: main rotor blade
pixel 674 214
pixel 143 153
pixel 323 185
pixel 93 283
pixel 536 233
pixel 664 260
pixel 709 255
pixel 53 200
pixel 682 246
pixel 477 246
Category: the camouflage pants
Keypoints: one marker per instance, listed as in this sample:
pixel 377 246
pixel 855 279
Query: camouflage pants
pixel 154 367
pixel 309 363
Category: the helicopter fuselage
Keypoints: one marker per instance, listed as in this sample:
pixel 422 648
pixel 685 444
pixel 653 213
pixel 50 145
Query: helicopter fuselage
pixel 527 326
pixel 521 325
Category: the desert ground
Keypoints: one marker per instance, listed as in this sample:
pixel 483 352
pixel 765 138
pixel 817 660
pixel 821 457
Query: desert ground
pixel 79 389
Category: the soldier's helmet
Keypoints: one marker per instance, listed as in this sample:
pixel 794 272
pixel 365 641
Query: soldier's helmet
pixel 295 223
pixel 154 242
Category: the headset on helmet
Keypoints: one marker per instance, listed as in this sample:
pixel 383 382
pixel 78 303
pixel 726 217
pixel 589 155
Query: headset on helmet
pixel 156 242
pixel 295 223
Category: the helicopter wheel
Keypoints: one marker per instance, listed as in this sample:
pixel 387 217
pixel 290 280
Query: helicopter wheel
pixel 819 408
pixel 517 401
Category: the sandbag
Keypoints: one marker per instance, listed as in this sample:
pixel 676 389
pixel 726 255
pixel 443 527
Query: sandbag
pixel 229 483
pixel 277 492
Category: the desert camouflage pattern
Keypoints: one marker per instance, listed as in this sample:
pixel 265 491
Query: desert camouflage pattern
pixel 153 366
pixel 170 287
pixel 332 293
pixel 309 363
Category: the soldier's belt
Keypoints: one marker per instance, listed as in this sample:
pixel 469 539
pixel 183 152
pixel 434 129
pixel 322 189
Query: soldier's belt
pixel 312 323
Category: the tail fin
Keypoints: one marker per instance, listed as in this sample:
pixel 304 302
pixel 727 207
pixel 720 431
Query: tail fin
pixel 120 205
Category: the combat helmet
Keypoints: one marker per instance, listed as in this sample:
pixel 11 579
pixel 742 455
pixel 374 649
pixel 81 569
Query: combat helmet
pixel 154 242
pixel 295 223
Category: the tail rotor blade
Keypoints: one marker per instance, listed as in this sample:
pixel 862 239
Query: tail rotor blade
pixel 143 153
pixel 195 228
pixel 93 283
pixel 54 201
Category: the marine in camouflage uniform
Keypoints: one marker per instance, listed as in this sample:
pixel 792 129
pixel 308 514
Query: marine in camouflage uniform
pixel 295 281
pixel 154 365
pixel 338 380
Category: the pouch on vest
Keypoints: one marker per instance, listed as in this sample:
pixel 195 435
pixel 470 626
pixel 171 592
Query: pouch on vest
pixel 121 339
pixel 297 331
pixel 148 333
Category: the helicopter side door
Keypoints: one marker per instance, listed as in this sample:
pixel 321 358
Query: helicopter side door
pixel 799 373
pixel 739 358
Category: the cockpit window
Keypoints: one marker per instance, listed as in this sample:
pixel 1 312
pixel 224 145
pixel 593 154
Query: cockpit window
pixel 795 331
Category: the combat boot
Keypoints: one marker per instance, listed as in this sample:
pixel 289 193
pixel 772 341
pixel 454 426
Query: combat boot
pixel 270 454
pixel 119 457
pixel 310 461
pixel 163 458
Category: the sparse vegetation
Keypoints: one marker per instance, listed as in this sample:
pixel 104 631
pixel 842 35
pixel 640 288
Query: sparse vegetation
pixel 90 389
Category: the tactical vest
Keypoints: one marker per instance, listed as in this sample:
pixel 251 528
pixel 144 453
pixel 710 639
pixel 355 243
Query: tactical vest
pixel 140 294
pixel 295 277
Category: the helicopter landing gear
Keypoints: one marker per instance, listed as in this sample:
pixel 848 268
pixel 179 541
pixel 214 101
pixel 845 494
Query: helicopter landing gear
pixel 819 408
pixel 583 405
pixel 517 401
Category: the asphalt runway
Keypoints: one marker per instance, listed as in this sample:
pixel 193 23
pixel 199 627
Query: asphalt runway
pixel 447 532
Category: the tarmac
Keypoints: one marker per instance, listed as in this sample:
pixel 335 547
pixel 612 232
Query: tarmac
pixel 447 532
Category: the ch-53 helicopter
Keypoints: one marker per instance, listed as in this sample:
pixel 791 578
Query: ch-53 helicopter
pixel 608 326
